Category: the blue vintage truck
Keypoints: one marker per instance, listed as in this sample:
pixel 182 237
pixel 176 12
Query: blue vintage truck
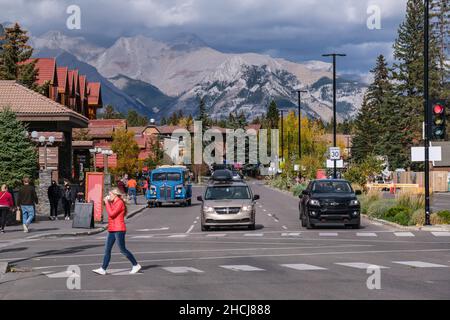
pixel 169 184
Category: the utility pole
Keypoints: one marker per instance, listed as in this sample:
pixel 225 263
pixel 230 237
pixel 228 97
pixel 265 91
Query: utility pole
pixel 282 135
pixel 427 110
pixel 334 55
pixel 300 122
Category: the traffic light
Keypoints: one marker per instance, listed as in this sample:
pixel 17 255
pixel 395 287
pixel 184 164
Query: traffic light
pixel 438 125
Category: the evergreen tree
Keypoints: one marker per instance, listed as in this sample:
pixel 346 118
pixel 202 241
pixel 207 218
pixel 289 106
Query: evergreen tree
pixel 273 115
pixel 15 51
pixel 242 120
pixel 203 115
pixel 18 156
pixel 365 135
pixel 440 27
pixel 163 121
pixel 136 120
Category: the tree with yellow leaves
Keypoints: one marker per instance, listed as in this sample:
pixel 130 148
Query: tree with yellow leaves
pixel 127 150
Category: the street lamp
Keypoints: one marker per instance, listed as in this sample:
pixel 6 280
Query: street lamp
pixel 427 110
pixel 95 151
pixel 334 55
pixel 106 154
pixel 42 140
pixel 300 122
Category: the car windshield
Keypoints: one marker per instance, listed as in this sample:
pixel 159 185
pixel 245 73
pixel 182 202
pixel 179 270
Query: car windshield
pixel 159 177
pixel 173 176
pixel 229 192
pixel 331 187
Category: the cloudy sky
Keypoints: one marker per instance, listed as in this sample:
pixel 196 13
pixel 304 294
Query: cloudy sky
pixel 297 30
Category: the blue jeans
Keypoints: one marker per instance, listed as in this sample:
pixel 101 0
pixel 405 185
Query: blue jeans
pixel 27 214
pixel 132 193
pixel 110 240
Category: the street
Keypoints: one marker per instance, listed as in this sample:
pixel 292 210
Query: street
pixel 278 260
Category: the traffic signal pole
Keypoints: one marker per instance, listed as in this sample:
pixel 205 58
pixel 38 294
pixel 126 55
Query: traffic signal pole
pixel 427 112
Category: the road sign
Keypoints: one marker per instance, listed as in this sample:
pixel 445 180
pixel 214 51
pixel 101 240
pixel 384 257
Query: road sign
pixel 418 154
pixel 334 153
pixel 339 164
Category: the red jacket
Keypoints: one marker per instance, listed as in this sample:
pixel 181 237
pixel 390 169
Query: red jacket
pixel 116 215
pixel 6 199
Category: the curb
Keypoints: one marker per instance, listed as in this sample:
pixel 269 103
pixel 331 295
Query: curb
pixel 83 233
pixel 410 228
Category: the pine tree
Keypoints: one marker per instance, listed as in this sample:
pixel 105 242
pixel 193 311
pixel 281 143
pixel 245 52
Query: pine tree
pixel 440 28
pixel 18 156
pixel 203 115
pixel 15 50
pixel 273 115
pixel 242 120
pixel 163 121
pixel 365 134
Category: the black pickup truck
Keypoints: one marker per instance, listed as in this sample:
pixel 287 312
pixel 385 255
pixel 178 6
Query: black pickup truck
pixel 329 203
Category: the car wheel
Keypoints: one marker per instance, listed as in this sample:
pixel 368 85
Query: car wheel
pixel 356 226
pixel 159 204
pixel 189 203
pixel 205 228
pixel 252 227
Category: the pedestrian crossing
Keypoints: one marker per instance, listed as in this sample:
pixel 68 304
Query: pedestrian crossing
pixel 293 267
pixel 401 235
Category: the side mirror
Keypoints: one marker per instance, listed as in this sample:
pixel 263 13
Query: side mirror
pixel 305 193
pixel 255 197
pixel 199 198
pixel 358 192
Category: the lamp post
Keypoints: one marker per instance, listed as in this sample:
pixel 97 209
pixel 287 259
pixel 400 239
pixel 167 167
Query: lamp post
pixel 300 122
pixel 95 151
pixel 427 110
pixel 106 154
pixel 334 55
pixel 42 140
pixel 282 134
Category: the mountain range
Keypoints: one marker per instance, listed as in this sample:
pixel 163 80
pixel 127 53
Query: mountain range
pixel 157 77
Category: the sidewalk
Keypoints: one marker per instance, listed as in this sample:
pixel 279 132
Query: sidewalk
pixel 45 228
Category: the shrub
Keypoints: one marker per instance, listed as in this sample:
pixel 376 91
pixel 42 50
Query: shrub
pixel 298 188
pixel 280 182
pixel 418 217
pixel 444 216
pixel 367 199
pixel 410 200
pixel 399 214
pixel 436 219
pixel 378 208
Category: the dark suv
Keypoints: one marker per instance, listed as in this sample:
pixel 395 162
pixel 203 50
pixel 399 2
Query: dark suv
pixel 329 202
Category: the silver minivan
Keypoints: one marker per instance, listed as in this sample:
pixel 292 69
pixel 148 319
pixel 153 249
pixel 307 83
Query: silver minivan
pixel 228 204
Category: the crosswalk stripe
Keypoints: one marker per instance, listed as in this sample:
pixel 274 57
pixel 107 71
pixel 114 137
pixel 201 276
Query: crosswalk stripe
pixel 291 234
pixel 253 234
pixel 142 237
pixel 182 270
pixel 441 234
pixel 216 235
pixel 359 265
pixel 420 264
pixel 404 234
pixel 302 267
pixel 366 234
pixel 242 268
pixel 178 236
pixel 328 234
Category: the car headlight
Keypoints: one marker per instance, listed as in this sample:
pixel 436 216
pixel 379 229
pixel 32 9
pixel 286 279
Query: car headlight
pixel 313 202
pixel 247 208
pixel 208 209
pixel 354 203
pixel 152 189
pixel 179 189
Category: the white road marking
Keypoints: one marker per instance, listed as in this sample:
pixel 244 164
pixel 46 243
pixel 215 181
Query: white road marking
pixel 291 234
pixel 242 267
pixel 264 210
pixel 420 264
pixel 216 235
pixel 441 234
pixel 404 234
pixel 284 227
pixel 253 234
pixel 190 229
pixel 121 272
pixel 156 229
pixel 302 267
pixel 178 235
pixel 269 214
pixel 141 237
pixel 58 275
pixel 366 234
pixel 359 265
pixel 182 270
pixel 328 234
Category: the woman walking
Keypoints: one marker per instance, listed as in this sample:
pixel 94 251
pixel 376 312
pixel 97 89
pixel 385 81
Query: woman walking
pixel 6 204
pixel 117 210
pixel 67 200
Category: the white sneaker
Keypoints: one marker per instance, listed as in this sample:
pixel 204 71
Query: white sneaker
pixel 100 271
pixel 25 228
pixel 135 269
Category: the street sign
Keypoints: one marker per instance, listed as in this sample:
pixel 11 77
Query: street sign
pixel 339 164
pixel 334 153
pixel 418 154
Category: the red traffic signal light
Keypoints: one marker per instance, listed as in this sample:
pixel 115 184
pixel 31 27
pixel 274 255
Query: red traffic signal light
pixel 438 109
pixel 438 120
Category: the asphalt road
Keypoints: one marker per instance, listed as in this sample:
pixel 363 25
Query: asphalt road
pixel 278 260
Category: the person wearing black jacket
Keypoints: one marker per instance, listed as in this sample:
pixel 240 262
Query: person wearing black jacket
pixel 54 194
pixel 67 199
pixel 27 199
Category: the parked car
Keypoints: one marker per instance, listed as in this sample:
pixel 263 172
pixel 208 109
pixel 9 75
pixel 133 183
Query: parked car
pixel 169 184
pixel 227 203
pixel 329 202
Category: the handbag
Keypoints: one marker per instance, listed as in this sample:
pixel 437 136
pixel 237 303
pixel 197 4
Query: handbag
pixel 18 214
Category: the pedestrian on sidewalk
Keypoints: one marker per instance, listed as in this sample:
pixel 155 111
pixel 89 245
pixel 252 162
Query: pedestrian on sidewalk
pixel 132 189
pixel 54 195
pixel 121 186
pixel 144 186
pixel 27 199
pixel 67 199
pixel 117 210
pixel 6 205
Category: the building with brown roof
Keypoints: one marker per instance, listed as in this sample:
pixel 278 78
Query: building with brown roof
pixel 94 99
pixel 63 85
pixel 42 114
